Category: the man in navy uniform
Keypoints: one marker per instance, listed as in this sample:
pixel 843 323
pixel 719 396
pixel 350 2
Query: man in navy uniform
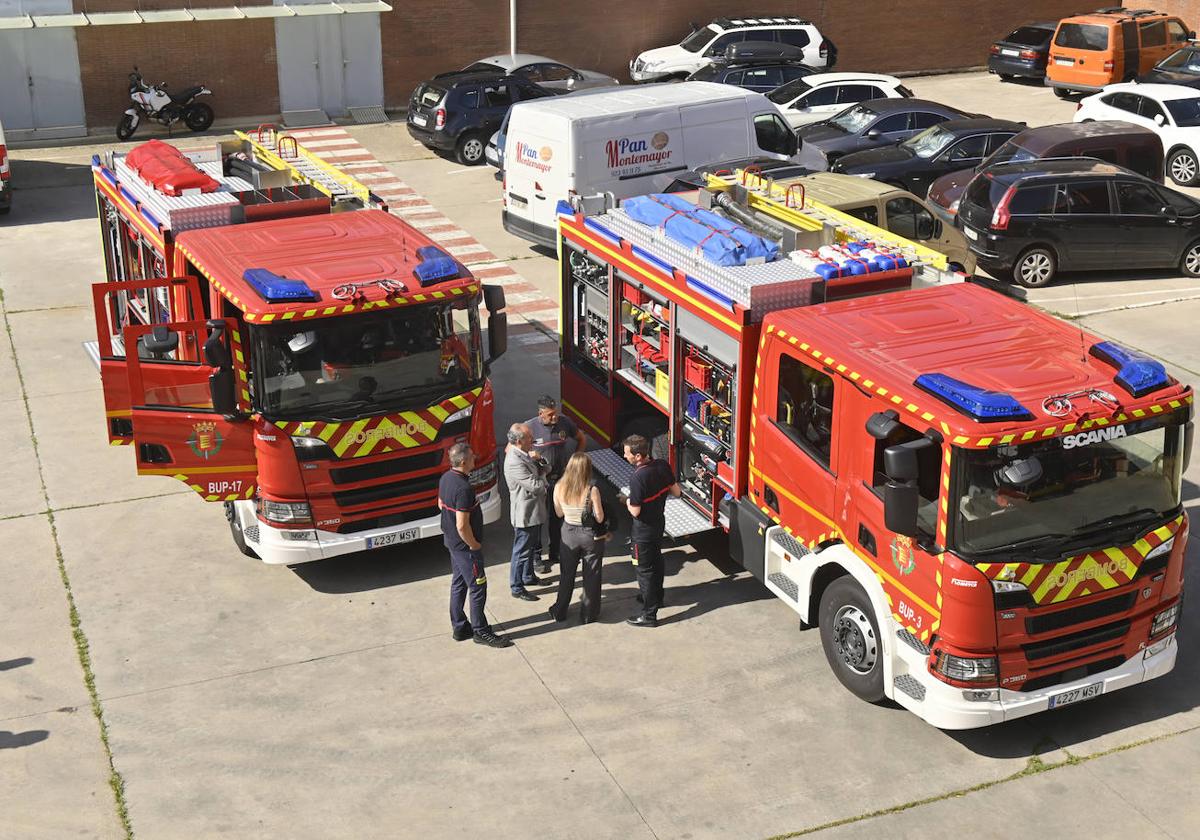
pixel 462 532
pixel 652 481
pixel 555 439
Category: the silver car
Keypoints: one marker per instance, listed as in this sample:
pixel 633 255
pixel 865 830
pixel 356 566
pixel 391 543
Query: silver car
pixel 544 72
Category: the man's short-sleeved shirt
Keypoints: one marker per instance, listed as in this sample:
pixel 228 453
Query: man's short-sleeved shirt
pixel 649 487
pixel 456 494
pixel 556 443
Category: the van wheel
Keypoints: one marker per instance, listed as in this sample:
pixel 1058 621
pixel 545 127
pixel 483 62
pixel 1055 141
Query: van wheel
pixel 1034 268
pixel 1183 167
pixel 1190 263
pixel 850 637
pixel 1062 93
pixel 470 149
pixel 235 530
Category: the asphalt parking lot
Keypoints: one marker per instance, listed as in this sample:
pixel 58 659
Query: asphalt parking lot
pixel 152 679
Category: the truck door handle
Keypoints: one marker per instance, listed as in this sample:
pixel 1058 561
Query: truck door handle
pixel 866 539
pixel 770 498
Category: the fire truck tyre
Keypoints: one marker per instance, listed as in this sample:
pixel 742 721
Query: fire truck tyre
pixel 1183 167
pixel 850 636
pixel 198 116
pixel 470 149
pixel 1191 260
pixel 125 128
pixel 239 539
pixel 1034 268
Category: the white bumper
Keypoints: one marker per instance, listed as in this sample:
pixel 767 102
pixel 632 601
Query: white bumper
pixel 945 707
pixel 275 549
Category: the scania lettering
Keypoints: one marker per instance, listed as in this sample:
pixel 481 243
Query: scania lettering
pixel 287 350
pixel 982 522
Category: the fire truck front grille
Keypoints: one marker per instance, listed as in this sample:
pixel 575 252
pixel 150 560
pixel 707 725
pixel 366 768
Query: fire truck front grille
pixel 1075 641
pixel 390 519
pixel 391 466
pixel 1070 674
pixel 397 489
pixel 1036 624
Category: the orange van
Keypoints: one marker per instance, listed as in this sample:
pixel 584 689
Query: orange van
pixel 1110 45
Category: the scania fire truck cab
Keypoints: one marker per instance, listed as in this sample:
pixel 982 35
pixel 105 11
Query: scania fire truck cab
pixel 309 371
pixel 977 504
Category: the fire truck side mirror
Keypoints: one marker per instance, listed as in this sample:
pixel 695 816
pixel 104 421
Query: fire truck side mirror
pixel 493 298
pixel 220 387
pixel 497 335
pixel 216 354
pixel 900 502
pixel 1189 432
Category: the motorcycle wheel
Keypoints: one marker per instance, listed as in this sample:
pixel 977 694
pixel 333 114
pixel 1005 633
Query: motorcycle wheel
pixel 198 116
pixel 125 128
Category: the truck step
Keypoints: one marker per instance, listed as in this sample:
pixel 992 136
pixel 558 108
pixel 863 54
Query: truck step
pixel 786 584
pixel 789 543
pixel 913 642
pixel 909 685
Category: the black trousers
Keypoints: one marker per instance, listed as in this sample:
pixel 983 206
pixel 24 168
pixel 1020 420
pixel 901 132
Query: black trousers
pixel 467 576
pixel 648 557
pixel 554 523
pixel 579 545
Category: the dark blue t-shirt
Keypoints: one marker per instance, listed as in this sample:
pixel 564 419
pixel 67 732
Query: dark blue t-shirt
pixel 456 494
pixel 649 487
pixel 555 443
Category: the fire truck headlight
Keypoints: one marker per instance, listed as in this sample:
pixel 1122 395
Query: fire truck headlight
pixel 461 414
pixel 284 513
pixel 1161 549
pixel 1008 586
pixel 1165 620
pixel 484 475
pixel 1158 647
pixel 1010 594
pixel 311 449
pixel 969 669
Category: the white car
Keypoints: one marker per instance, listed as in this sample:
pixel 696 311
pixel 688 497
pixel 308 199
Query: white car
pixel 822 95
pixel 1170 111
pixel 699 48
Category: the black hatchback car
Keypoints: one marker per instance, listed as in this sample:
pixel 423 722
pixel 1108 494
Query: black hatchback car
pixel 755 65
pixel 1039 217
pixel 923 158
pixel 459 112
pixel 1181 67
pixel 876 122
pixel 1022 52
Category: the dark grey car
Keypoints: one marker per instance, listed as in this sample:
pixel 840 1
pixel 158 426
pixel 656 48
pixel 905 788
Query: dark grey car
pixel 877 122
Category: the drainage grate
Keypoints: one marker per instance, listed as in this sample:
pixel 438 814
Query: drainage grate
pixel 368 114
pixel 786 584
pixel 913 642
pixel 909 685
pixel 305 119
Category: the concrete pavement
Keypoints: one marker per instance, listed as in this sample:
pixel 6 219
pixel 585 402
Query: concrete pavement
pixel 328 700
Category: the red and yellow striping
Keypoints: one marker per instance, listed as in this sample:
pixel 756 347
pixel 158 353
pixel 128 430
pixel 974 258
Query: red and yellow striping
pixel 385 433
pixel 1083 574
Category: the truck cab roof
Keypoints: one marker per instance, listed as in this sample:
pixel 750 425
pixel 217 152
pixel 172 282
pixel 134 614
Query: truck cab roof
pixel 323 252
pixel 974 335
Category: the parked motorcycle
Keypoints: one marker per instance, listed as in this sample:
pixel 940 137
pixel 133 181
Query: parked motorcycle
pixel 154 102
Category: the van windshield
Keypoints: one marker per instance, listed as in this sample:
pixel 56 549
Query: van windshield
pixel 1082 36
pixel 1185 112
pixel 699 39
pixel 784 94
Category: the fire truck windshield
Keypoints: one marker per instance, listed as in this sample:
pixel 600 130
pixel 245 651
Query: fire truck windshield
pixel 367 363
pixel 1041 500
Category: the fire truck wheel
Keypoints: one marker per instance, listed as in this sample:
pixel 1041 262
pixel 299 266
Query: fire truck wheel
pixel 239 539
pixel 470 149
pixel 850 636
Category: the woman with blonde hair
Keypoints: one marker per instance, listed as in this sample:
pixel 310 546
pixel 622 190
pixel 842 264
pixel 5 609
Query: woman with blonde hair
pixel 577 500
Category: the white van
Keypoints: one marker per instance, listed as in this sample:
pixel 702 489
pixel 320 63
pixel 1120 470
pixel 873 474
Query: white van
pixel 629 142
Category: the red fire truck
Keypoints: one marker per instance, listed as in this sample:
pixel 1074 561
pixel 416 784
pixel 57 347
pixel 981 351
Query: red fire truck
pixel 977 504
pixel 306 365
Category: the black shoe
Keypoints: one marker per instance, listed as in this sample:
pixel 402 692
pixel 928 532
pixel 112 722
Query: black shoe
pixel 642 621
pixel 544 569
pixel 487 637
pixel 533 581
pixel 640 599
pixel 525 596
pixel 556 616
pixel 462 635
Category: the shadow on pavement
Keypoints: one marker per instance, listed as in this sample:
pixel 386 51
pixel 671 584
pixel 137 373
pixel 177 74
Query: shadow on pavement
pixel 49 191
pixel 367 570
pixel 9 664
pixel 14 740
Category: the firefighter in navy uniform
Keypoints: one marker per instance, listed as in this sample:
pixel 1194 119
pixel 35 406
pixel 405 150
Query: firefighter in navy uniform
pixel 462 530
pixel 649 486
